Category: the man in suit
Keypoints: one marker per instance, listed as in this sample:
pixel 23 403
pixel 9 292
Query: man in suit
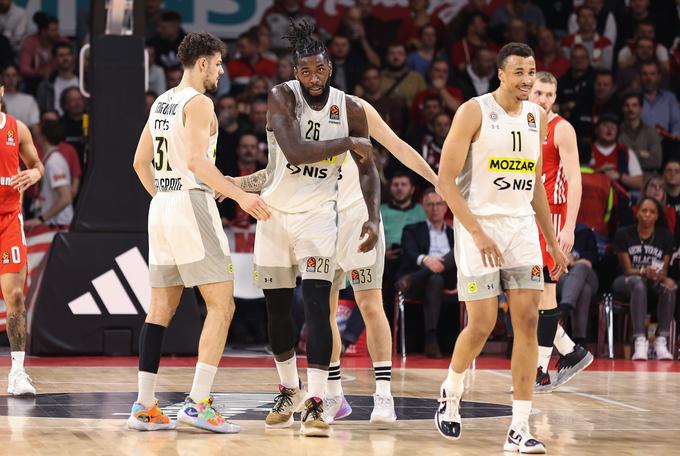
pixel 427 264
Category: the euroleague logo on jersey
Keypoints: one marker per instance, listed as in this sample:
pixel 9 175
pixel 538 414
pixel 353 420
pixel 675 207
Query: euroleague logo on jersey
pixel 10 138
pixel 334 114
pixel 531 120
pixel 5 257
pixel 536 273
pixel 311 264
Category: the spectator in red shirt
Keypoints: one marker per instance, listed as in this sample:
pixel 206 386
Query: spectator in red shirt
pixel 36 60
pixel 599 47
pixel 549 55
pixel 438 76
pixel 475 37
pixel 249 62
pixel 284 70
pixel 409 29
pixel 246 163
pixel 613 158
pixel 65 149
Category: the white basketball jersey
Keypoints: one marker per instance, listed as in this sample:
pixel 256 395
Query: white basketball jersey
pixel 171 143
pixel 291 188
pixel 499 174
pixel 349 188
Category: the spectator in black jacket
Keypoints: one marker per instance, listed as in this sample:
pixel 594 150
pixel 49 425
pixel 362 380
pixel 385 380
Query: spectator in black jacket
pixel 480 76
pixel 427 264
pixel 577 288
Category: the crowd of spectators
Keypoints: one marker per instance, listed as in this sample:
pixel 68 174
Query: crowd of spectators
pixel 616 61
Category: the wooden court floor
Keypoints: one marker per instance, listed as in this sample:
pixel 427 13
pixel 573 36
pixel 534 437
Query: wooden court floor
pixel 82 405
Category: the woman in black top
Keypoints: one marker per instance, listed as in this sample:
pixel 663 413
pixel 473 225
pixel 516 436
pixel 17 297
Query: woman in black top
pixel 644 251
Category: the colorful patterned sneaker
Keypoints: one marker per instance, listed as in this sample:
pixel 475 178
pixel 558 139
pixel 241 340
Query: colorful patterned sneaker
pixel 149 419
pixel 204 416
pixel 312 422
pixel 287 402
pixel 335 408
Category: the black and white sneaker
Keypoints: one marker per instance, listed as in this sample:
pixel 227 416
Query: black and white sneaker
pixel 542 384
pixel 520 440
pixel 570 365
pixel 447 418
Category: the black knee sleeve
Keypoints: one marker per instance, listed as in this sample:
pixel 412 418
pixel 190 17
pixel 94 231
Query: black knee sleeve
pixel 150 347
pixel 547 326
pixel 280 324
pixel 316 295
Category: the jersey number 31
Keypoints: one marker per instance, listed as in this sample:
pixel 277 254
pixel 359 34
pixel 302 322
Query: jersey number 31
pixel 161 153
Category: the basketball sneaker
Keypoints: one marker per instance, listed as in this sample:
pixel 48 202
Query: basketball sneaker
pixel 542 384
pixel 641 349
pixel 149 419
pixel 571 364
pixel 287 402
pixel 520 440
pixel 312 422
pixel 335 408
pixel 661 349
pixel 447 417
pixel 383 410
pixel 20 384
pixel 204 416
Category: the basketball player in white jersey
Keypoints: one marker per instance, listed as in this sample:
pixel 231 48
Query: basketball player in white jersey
pixel 187 246
pixel 490 176
pixel 310 128
pixel 562 181
pixel 365 271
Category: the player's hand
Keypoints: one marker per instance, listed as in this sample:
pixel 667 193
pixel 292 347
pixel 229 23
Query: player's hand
pixel 561 261
pixel 25 179
pixel 565 239
pixel 219 197
pixel 434 264
pixel 362 147
pixel 254 205
pixel 370 231
pixel 491 254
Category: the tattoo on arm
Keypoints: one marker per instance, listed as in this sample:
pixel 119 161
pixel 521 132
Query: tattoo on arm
pixel 252 183
pixel 16 330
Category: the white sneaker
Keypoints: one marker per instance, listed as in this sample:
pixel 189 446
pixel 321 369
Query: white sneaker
pixel 335 408
pixel 447 417
pixel 383 410
pixel 520 440
pixel 641 348
pixel 661 349
pixel 19 384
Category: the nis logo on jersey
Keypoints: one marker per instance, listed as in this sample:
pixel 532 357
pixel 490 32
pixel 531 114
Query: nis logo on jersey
pixel 512 165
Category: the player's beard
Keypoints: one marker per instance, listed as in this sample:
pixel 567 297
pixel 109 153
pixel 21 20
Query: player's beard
pixel 316 99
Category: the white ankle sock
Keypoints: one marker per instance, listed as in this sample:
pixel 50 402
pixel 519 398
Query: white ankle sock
pixel 520 413
pixel 316 382
pixel 334 386
pixel 203 380
pixel 383 377
pixel 454 381
pixel 17 360
pixel 146 383
pixel 544 357
pixel 563 343
pixel 288 374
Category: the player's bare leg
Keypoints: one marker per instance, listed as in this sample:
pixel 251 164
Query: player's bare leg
pixel 379 343
pixel 197 409
pixel 19 383
pixel 524 314
pixel 482 316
